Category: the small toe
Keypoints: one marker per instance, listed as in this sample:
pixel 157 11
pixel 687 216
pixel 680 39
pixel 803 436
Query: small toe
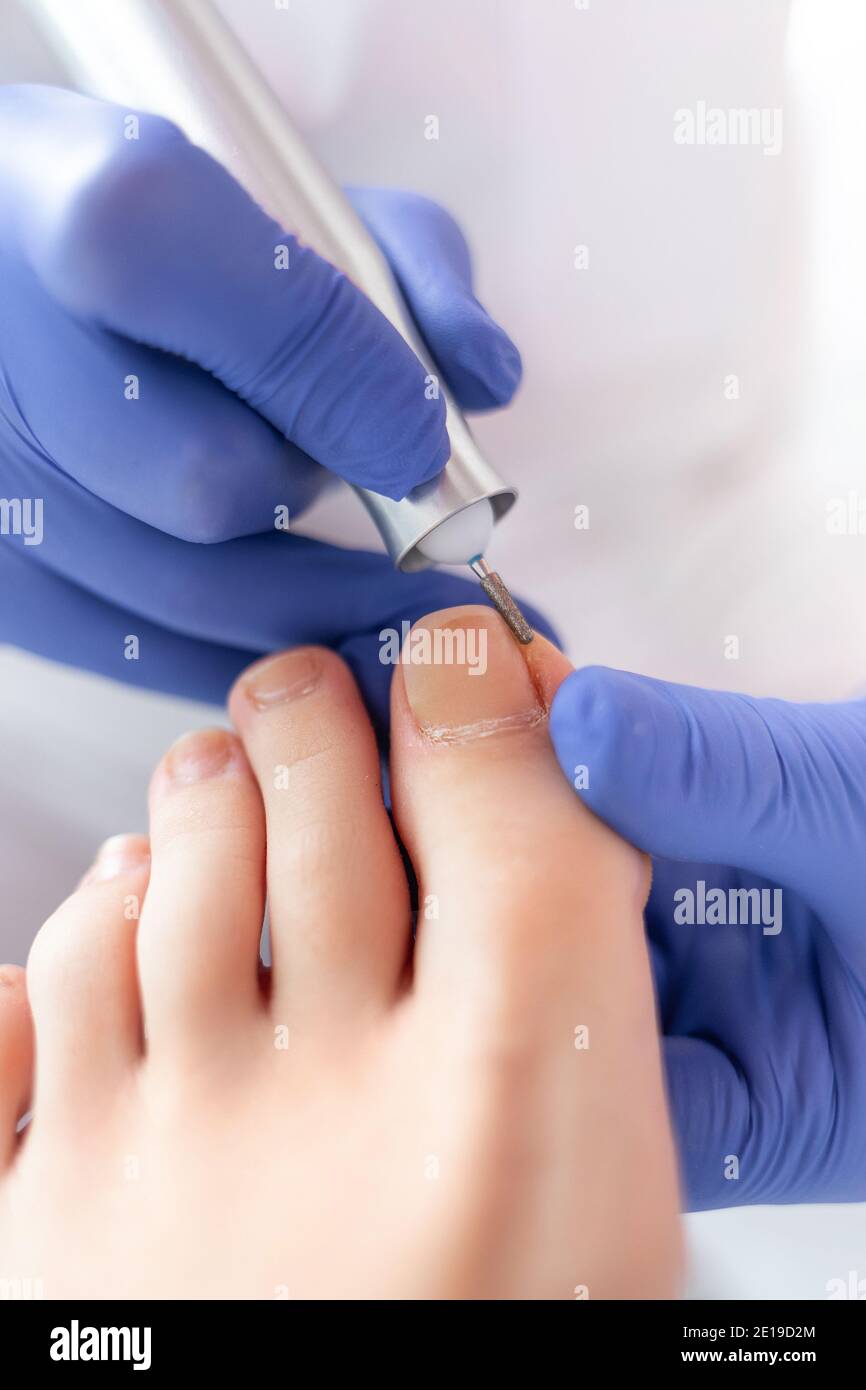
pixel 82 982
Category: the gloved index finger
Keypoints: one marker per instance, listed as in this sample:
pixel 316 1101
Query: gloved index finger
pixel 155 240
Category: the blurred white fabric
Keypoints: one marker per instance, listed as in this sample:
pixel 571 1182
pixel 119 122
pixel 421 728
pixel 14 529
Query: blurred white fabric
pixel 707 513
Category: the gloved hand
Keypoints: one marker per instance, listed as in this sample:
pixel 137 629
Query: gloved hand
pixel 163 383
pixel 765 1028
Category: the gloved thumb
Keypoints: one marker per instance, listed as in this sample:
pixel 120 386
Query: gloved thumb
pixel 691 774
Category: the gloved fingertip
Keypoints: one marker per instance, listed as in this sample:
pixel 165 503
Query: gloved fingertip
pixel 591 705
pixel 437 462
pixel 485 368
pixel 605 723
pixel 406 472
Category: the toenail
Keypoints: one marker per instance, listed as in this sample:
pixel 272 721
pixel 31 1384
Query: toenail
pixel 118 855
pixel 281 678
pixel 466 678
pixel 200 755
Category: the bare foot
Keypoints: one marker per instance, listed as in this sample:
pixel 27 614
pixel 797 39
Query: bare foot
pixel 483 1116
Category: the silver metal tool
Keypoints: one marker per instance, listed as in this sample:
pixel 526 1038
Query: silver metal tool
pixel 500 597
pixel 180 59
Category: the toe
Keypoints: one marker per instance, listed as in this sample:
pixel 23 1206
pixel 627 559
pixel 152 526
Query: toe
pixel 82 982
pixel 16 1057
pixel 505 852
pixel 530 942
pixel 198 942
pixel 337 895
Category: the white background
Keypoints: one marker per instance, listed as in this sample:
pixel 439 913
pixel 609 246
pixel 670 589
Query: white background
pixel 707 515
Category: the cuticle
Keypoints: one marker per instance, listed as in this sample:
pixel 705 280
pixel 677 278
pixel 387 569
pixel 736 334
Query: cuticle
pixel 484 728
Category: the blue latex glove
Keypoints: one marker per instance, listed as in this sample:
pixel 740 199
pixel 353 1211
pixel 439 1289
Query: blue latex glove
pixel 142 258
pixel 765 1033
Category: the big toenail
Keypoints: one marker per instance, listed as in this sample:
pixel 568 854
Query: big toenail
pixel 466 678
pixel 281 678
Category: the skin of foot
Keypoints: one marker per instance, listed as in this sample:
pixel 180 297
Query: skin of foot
pixel 478 1113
